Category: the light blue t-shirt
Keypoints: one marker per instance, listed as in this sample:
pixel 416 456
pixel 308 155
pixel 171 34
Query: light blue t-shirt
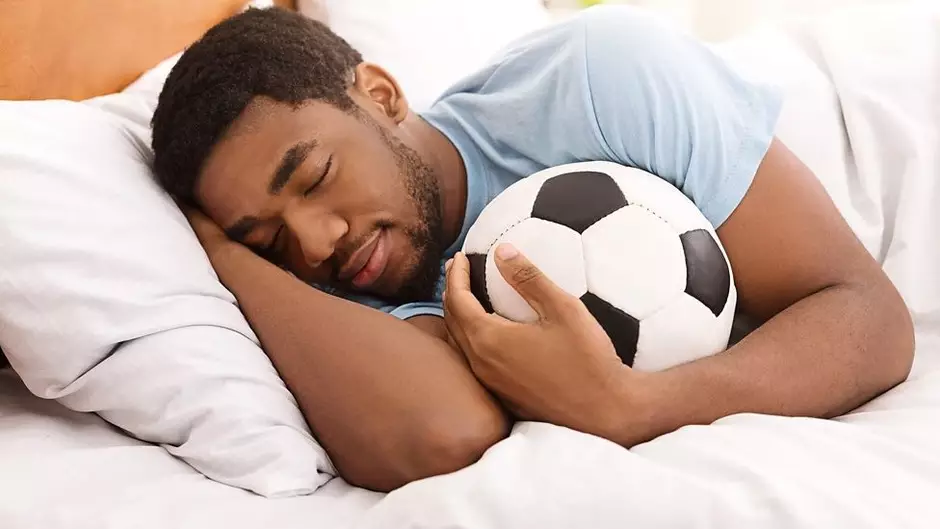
pixel 613 83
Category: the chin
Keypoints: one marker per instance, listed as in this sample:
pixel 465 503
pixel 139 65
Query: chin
pixel 411 274
pixel 421 284
pixel 393 284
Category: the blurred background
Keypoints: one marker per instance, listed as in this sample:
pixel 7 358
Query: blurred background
pixel 430 44
pixel 717 20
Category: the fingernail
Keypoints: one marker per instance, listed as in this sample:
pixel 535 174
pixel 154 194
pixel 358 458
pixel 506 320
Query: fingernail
pixel 506 251
pixel 447 264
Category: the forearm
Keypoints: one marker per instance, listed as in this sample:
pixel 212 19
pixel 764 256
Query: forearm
pixel 389 402
pixel 821 357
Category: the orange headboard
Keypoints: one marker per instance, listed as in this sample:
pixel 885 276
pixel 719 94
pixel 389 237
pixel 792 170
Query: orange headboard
pixel 76 49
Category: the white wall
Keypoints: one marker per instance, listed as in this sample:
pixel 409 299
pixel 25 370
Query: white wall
pixel 720 19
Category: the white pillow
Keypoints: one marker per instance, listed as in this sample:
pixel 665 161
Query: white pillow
pixel 427 45
pixel 811 119
pixel 109 305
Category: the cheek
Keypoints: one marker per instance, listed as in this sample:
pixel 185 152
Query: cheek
pixel 373 195
pixel 372 177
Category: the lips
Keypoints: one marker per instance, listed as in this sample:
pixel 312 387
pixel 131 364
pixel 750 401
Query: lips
pixel 368 262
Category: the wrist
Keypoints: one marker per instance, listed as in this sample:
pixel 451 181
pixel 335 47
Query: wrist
pixel 637 411
pixel 224 254
pixel 656 403
pixel 219 250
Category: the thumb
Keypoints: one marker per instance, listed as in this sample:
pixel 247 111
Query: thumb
pixel 525 278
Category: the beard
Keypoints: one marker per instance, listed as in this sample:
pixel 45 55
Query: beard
pixel 427 235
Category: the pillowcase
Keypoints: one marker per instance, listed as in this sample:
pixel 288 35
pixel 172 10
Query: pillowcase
pixel 108 303
pixel 428 45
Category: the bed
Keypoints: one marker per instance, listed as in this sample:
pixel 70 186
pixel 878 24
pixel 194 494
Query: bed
pixel 862 109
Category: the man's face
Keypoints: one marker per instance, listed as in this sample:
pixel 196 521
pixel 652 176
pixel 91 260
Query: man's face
pixel 333 196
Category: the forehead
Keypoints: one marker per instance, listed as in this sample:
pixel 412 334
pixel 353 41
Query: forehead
pixel 235 178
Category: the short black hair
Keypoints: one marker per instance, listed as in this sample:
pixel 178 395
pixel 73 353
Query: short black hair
pixel 269 52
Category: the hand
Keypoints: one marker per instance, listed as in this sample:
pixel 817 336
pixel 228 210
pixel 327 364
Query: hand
pixel 561 369
pixel 210 235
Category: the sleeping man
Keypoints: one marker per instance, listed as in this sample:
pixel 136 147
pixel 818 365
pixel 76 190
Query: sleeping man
pixel 300 164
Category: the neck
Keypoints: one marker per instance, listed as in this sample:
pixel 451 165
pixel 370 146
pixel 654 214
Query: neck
pixel 444 160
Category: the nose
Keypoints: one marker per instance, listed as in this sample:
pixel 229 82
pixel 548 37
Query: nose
pixel 317 232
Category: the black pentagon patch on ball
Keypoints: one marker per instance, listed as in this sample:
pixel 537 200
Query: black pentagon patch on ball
pixel 578 199
pixel 622 328
pixel 478 279
pixel 707 276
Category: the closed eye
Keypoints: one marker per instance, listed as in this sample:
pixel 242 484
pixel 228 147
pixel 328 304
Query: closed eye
pixel 270 251
pixel 271 248
pixel 326 171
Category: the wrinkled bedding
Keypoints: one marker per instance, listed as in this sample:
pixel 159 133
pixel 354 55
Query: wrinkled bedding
pixel 863 110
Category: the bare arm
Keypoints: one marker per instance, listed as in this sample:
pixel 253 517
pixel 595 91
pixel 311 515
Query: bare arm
pixel 835 331
pixel 389 402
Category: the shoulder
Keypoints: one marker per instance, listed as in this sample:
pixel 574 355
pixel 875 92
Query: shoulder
pixel 527 108
pixel 621 40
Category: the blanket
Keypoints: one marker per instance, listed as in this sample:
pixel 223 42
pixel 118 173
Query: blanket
pixel 863 96
pixel 863 111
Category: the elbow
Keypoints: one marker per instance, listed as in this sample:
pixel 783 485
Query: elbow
pixel 902 359
pixel 440 446
pixel 454 443
pixel 896 342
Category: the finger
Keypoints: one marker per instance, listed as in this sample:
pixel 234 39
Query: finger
pixel 192 213
pixel 460 316
pixel 456 338
pixel 459 301
pixel 446 271
pixel 451 341
pixel 198 219
pixel 461 308
pixel 545 297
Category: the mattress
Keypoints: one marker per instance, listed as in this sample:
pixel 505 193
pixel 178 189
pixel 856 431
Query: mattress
pixel 878 467
pixel 64 469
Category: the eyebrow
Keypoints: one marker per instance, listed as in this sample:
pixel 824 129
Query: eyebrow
pixel 245 225
pixel 289 163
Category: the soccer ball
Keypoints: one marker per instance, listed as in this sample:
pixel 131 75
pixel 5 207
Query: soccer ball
pixel 637 252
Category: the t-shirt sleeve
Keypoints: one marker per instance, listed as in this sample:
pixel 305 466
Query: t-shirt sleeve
pixel 410 310
pixel 666 103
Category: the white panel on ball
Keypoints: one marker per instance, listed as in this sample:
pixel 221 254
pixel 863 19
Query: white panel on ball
pixel 553 248
pixel 634 261
pixel 683 331
pixel 726 318
pixel 652 192
pixel 514 205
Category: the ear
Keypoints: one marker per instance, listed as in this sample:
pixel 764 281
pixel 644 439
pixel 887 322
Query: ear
pixel 382 90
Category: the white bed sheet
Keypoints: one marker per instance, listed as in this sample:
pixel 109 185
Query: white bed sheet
pixel 61 469
pixel 864 112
